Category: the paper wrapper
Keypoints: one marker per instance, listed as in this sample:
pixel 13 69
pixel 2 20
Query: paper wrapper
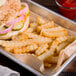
pixel 30 60
pixel 34 62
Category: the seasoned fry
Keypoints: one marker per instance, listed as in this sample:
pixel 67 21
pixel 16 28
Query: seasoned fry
pixel 40 20
pixel 35 36
pixel 13 44
pixel 8 49
pixel 46 55
pixel 41 40
pixel 60 40
pixel 38 29
pixel 53 34
pixel 19 50
pixel 55 29
pixel 30 30
pixel 41 49
pixel 47 25
pixel 38 39
pixel 57 41
pixel 47 65
pixel 52 59
pixel 24 42
pixel 64 44
pixel 27 49
pixel 20 37
pixel 32 48
pixel 34 26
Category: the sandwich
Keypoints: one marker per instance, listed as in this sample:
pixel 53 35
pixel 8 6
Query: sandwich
pixel 14 18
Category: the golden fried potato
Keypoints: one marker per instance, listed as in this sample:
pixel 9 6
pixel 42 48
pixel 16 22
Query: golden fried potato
pixel 8 49
pixel 47 65
pixel 64 44
pixel 20 37
pixel 38 39
pixel 32 48
pixel 14 44
pixel 52 59
pixel 41 49
pixel 40 20
pixel 38 29
pixel 19 50
pixel 47 25
pixel 25 49
pixel 34 26
pixel 54 32
pixel 46 55
pixel 60 40
pixel 30 30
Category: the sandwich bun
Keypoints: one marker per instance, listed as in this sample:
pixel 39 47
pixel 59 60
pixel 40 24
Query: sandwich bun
pixel 9 9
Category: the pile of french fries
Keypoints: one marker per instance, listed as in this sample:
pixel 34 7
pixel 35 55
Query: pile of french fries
pixel 42 38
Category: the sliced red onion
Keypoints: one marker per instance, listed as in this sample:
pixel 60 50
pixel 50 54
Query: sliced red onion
pixel 25 10
pixel 16 20
pixel 7 30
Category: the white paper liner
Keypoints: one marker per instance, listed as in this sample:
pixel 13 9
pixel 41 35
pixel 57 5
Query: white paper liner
pixel 30 60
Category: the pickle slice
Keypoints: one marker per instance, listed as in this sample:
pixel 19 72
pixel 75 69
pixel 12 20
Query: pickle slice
pixel 18 26
pixel 2 28
pixel 3 34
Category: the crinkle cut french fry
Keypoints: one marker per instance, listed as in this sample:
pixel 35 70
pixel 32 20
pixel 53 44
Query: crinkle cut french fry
pixel 13 44
pixel 32 48
pixel 52 59
pixel 38 29
pixel 8 49
pixel 34 26
pixel 53 34
pixel 19 50
pixel 47 65
pixel 57 41
pixel 20 37
pixel 41 41
pixel 27 49
pixel 55 29
pixel 30 30
pixel 38 39
pixel 47 25
pixel 45 55
pixel 64 44
pixel 41 49
pixel 40 20
pixel 24 42
pixel 60 40
pixel 32 35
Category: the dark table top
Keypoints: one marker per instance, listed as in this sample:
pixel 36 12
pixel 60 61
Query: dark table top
pixel 7 62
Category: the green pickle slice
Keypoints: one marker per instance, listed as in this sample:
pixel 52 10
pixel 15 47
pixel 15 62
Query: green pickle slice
pixel 3 28
pixel 18 26
pixel 3 34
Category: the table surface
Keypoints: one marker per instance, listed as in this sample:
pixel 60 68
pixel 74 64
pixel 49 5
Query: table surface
pixel 6 62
